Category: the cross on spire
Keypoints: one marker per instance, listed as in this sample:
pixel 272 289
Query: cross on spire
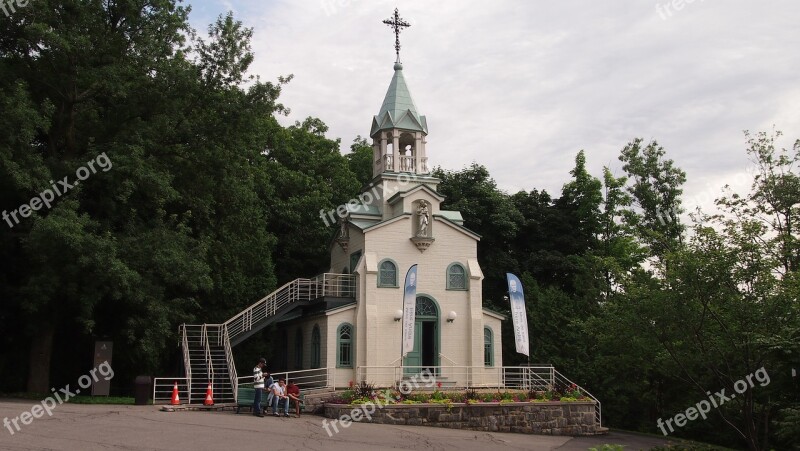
pixel 397 24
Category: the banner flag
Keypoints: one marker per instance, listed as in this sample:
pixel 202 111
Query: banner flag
pixel 519 316
pixel 409 308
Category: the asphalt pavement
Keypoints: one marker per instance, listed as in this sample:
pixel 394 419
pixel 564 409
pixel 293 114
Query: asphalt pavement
pixel 108 427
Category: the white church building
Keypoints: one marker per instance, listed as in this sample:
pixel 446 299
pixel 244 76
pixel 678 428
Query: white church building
pixel 345 326
pixel 398 222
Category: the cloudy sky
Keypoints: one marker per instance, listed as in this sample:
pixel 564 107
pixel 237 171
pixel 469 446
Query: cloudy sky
pixel 522 86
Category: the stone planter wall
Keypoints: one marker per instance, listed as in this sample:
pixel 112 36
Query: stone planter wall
pixel 546 418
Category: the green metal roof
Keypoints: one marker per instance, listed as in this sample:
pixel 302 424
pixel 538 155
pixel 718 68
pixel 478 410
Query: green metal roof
pixel 398 109
pixel 361 209
pixel 454 216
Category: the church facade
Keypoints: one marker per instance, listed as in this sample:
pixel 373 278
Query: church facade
pixel 398 222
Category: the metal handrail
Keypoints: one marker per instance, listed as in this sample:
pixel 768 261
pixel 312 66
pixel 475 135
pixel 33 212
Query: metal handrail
pixel 311 379
pixel 598 410
pixel 231 364
pixel 328 284
pixel 206 345
pixel 448 359
pixel 164 395
pixel 186 362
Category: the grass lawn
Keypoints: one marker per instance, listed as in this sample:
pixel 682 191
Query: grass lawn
pixel 117 400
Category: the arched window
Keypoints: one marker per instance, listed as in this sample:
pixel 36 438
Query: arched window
pixel 387 274
pixel 488 347
pixel 298 349
pixel 344 347
pixel 456 277
pixel 425 307
pixel 315 347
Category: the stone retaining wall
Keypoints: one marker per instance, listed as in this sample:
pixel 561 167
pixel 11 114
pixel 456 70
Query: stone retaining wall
pixel 546 418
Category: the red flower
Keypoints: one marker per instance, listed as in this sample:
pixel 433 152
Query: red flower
pixel 439 385
pixel 351 384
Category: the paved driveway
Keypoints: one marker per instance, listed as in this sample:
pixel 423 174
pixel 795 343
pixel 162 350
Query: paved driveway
pixel 93 427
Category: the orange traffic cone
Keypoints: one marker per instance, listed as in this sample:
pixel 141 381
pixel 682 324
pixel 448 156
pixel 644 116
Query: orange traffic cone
pixel 209 399
pixel 175 399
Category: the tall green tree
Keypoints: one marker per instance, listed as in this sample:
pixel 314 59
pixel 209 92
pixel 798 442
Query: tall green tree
pixel 490 213
pixel 310 175
pixel 360 160
pixel 655 191
pixel 177 228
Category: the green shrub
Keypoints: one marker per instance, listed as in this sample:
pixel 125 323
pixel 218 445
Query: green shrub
pixel 607 447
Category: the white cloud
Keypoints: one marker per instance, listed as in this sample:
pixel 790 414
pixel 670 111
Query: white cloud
pixel 520 87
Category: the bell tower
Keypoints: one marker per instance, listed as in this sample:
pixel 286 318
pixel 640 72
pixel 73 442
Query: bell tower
pixel 398 130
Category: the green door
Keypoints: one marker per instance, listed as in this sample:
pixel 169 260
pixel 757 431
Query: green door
pixel 426 338
pixel 414 357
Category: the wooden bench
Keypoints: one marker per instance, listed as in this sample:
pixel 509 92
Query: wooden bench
pixel 246 396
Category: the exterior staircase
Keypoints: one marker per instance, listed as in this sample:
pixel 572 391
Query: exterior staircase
pixel 206 348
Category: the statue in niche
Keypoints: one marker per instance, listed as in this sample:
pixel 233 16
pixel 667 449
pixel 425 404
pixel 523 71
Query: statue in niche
pixel 423 219
pixel 344 233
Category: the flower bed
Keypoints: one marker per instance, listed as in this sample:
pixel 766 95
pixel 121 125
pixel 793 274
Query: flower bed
pixel 495 411
pixel 365 393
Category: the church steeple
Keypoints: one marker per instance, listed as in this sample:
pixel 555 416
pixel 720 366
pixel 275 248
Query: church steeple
pixel 398 131
pixel 398 109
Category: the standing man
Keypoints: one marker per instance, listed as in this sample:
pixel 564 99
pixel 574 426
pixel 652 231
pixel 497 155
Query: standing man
pixel 258 384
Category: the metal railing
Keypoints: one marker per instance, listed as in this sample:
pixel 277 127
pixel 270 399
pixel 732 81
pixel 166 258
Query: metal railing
pixel 207 348
pixel 315 379
pixel 231 364
pixel 328 284
pixel 538 378
pixel 187 362
pixel 202 337
pixel 462 376
pixel 598 408
pixel 162 389
pixel 442 356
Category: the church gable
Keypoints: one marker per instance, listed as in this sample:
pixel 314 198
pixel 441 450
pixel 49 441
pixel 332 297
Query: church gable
pixel 405 202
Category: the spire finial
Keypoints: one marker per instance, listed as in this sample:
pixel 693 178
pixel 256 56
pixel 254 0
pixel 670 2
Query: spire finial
pixel 396 23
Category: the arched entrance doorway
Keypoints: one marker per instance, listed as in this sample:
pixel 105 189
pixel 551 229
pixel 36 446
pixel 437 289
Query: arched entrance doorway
pixel 425 354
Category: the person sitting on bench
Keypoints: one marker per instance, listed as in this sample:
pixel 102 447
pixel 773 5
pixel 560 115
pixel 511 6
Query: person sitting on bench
pixel 279 397
pixel 293 392
pixel 268 383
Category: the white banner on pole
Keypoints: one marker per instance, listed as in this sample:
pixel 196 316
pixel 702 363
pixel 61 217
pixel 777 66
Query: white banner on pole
pixel 409 308
pixel 519 316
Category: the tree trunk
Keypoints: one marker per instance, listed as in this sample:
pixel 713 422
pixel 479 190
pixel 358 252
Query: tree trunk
pixel 39 360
